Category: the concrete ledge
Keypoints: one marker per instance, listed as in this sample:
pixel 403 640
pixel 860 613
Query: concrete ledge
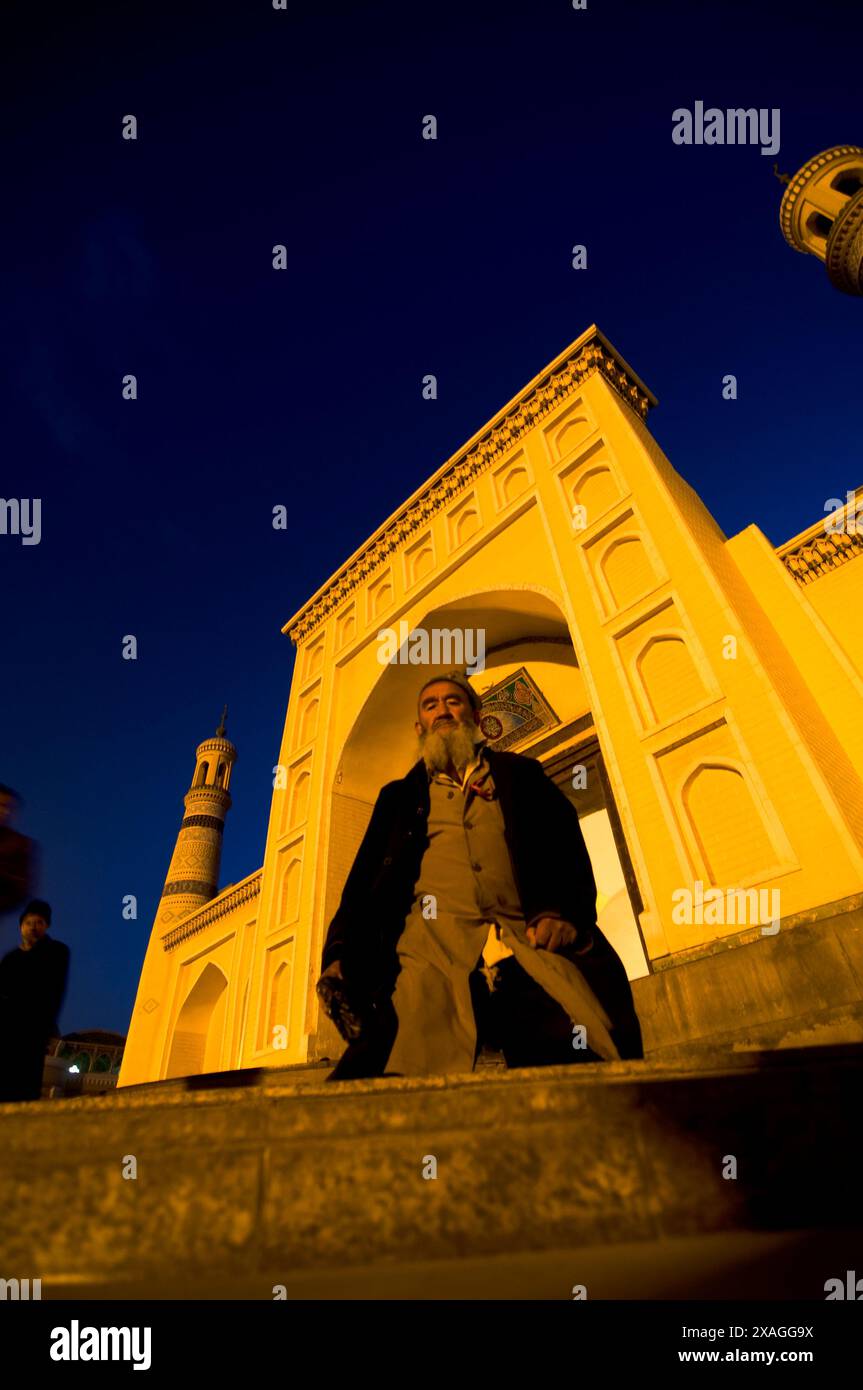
pixel 809 915
pixel 769 992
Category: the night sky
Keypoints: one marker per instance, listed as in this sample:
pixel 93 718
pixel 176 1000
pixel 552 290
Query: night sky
pixel 303 387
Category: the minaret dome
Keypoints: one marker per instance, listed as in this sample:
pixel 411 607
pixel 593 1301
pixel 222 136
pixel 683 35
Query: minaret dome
pixel 821 214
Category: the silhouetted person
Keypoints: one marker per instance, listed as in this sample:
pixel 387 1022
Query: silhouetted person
pixel 32 986
pixel 16 855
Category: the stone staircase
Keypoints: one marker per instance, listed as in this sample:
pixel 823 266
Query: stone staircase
pixel 607 1175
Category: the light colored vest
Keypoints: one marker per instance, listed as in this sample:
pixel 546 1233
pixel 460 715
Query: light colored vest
pixel 466 865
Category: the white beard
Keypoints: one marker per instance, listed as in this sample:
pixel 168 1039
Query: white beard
pixel 449 743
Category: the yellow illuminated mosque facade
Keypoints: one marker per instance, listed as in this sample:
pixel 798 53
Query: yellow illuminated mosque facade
pixel 699 697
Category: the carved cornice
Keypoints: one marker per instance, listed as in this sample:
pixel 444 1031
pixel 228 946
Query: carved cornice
pixel 217 744
pixel 592 354
pixel 212 911
pixel 214 798
pixel 817 552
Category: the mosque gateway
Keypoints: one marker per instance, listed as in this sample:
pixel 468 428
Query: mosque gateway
pixel 696 696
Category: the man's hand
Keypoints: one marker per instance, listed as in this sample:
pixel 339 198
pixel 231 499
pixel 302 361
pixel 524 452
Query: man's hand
pixel 550 934
pixel 338 1004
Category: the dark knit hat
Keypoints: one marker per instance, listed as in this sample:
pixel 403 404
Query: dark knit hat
pixel 39 907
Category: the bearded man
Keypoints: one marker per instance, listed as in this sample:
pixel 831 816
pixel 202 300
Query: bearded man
pixel 469 917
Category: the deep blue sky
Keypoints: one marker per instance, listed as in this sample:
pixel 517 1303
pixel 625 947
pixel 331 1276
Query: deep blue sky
pixel 304 387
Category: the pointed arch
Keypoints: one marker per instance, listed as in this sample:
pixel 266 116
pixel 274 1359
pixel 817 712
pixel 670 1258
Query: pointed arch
pixel 196 1044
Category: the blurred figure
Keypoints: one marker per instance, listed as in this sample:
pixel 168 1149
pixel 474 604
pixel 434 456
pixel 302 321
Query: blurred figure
pixel 32 986
pixel 16 855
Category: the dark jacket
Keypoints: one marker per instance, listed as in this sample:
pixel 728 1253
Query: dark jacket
pixel 552 873
pixel 32 987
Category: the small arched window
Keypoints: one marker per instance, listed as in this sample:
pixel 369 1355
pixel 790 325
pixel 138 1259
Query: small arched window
pixel 819 225
pixel 203 772
pixel 850 182
pixel 220 776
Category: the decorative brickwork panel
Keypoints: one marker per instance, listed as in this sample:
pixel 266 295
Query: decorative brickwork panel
pixel 727 824
pixel 463 522
pixel 346 626
pixel 511 481
pixel 627 571
pixel 732 837
pixel 668 678
pixel 289 902
pixel 278 985
pixel 419 561
pixel 314 658
pixel 308 721
pixel 569 431
pixel 380 596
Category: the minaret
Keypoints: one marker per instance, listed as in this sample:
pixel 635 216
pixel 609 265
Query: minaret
pixel 822 213
pixel 193 874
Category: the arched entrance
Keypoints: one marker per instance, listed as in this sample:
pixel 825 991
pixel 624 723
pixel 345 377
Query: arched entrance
pixel 196 1044
pixel 535 702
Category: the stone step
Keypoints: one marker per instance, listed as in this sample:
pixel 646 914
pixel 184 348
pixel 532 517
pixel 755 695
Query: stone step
pixel 700 1055
pixel 740 1265
pixel 288 1174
